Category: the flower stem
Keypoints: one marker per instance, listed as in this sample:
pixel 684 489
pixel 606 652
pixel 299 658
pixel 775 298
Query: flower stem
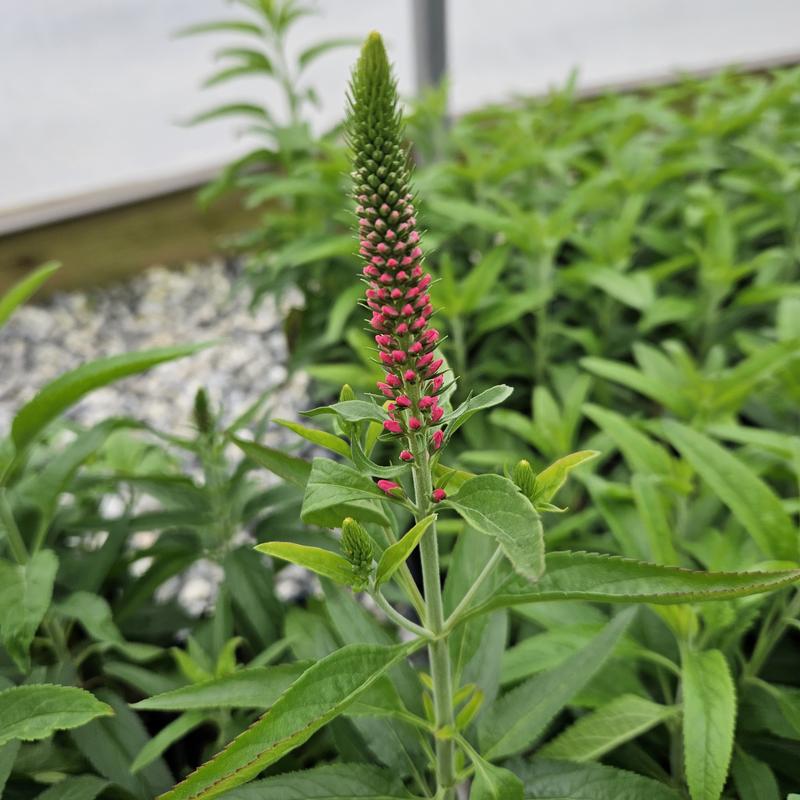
pixel 398 618
pixel 438 649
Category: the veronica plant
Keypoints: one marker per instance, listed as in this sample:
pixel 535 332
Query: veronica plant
pixel 421 690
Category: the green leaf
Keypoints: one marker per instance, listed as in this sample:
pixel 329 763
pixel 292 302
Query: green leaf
pixel 66 390
pixel 166 737
pixel 472 290
pixel 520 716
pixel 326 782
pixel 256 687
pixel 395 555
pixel 23 289
pixel 25 593
pixel 94 615
pixel 611 725
pixel 753 779
pixel 323 562
pixel 8 755
pixel 709 717
pixel 751 501
pixel 321 438
pixel 351 411
pixel 34 711
pixel 494 506
pixel 290 468
pixel 492 782
pixel 321 694
pixel 561 780
pixel 222 26
pixel 491 397
pixel 332 488
pixel 229 110
pixel 312 53
pixel 551 479
pixel 76 787
pixel 611 579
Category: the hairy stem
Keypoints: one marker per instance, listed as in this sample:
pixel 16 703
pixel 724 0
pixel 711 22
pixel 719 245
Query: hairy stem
pixel 438 650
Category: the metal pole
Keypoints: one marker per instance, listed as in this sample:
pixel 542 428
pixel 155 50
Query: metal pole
pixel 430 42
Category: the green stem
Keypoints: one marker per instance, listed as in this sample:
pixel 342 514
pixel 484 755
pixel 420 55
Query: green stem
pixel 438 649
pixel 15 540
pixel 398 618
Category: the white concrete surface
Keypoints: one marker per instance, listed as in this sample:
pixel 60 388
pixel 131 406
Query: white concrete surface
pixel 92 91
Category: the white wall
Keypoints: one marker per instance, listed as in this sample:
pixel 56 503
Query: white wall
pixel 92 91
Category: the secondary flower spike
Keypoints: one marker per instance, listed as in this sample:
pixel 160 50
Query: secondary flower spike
pixel 389 243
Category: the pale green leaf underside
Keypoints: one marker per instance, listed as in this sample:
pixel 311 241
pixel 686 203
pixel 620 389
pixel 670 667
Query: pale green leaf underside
pixel 317 559
pixel 397 553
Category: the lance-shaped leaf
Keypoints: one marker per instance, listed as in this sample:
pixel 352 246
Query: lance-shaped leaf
pixel 709 717
pixel 166 737
pixel 751 501
pixel 35 711
pixel 23 289
pixel 519 717
pixel 25 593
pixel 611 579
pixel 333 487
pixel 394 556
pixel 322 438
pixel 66 390
pixel 471 406
pixel 256 687
pixel 321 694
pixel 326 782
pixel 351 411
pixel 551 479
pixel 494 506
pixel 323 562
pixel 617 722
pixel 290 468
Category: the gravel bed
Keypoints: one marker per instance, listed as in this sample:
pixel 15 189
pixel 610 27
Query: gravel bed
pixel 160 308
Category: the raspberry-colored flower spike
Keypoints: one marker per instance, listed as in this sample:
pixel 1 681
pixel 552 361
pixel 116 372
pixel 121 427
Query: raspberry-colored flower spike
pixel 397 285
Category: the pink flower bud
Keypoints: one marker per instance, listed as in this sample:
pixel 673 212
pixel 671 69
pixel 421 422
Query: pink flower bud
pixel 438 438
pixel 434 368
pixel 383 339
pixel 406 455
pixel 390 235
pixel 424 282
pixel 388 486
pixel 386 389
pixel 392 425
pixel 426 401
pixel 438 495
pixel 437 412
pixel 381 247
pixel 402 276
pixel 392 263
pixel 414 423
pixel 396 293
pixel 393 380
pixel 389 311
pixel 409 375
pixel 370 271
pixel 415 348
pixel 377 321
pixel 386 358
pixel 423 361
pixel 402 329
pixel 386 278
pixel 377 261
pixel 416 253
pixel 422 301
pixel 399 356
pixel 437 383
pixel 431 336
pixel 418 324
pixel 412 292
pixel 404 401
pixel 407 261
pixel 407 310
pixel 417 271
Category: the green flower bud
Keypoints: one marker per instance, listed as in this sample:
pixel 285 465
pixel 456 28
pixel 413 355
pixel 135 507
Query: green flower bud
pixel 346 394
pixel 525 478
pixel 202 412
pixel 357 548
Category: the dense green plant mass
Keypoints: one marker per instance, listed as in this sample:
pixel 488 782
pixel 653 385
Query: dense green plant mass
pixel 628 265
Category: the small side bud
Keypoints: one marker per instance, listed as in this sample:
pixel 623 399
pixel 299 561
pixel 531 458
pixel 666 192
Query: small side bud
pixel 202 412
pixel 346 394
pixel 357 548
pixel 525 478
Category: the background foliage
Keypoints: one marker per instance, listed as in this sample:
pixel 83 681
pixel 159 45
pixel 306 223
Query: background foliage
pixel 629 264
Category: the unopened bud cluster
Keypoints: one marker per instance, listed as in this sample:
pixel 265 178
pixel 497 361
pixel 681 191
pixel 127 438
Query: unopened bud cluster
pixel 357 548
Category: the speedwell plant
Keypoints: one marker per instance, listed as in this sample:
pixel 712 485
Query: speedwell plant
pixel 413 699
